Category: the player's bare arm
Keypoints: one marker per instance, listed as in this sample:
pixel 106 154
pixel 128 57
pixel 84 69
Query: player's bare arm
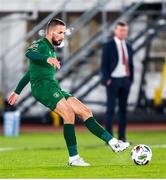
pixel 13 97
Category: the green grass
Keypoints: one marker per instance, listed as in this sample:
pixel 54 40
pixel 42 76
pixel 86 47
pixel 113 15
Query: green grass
pixel 44 155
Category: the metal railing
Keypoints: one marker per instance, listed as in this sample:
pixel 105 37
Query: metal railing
pixel 87 15
pixel 96 39
pixel 146 42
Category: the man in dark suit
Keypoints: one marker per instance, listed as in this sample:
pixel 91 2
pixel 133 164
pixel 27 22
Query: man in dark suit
pixel 117 76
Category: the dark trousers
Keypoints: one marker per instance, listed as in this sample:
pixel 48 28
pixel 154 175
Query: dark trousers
pixel 118 90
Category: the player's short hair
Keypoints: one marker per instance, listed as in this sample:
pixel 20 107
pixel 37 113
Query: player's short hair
pixel 54 22
pixel 121 23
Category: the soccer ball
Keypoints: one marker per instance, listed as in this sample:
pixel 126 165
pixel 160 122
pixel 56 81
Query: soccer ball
pixel 141 154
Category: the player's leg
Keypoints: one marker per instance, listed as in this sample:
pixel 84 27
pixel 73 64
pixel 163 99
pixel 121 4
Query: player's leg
pixel 86 115
pixel 66 112
pixel 50 95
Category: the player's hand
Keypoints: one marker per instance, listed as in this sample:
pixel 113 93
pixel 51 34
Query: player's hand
pixel 109 82
pixel 12 98
pixel 54 62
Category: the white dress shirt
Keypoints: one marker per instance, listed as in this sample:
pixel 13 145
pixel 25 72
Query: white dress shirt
pixel 120 70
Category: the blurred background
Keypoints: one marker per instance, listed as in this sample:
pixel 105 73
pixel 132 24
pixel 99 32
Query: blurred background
pixel 91 23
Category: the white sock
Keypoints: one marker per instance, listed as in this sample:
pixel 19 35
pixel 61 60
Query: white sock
pixel 72 158
pixel 113 141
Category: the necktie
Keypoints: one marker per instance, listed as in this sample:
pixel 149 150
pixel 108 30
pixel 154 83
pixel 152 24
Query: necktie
pixel 124 61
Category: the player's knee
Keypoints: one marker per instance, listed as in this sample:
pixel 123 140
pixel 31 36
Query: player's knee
pixel 86 113
pixel 69 116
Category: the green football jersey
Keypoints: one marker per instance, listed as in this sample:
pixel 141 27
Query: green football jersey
pixel 38 53
pixel 44 88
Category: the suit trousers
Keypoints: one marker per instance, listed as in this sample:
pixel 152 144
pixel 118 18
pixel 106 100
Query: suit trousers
pixel 117 90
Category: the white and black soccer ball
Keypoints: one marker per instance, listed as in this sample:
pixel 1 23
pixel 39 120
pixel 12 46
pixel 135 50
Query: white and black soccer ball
pixel 141 154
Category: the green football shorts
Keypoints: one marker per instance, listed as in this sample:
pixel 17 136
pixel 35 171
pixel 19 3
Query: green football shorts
pixel 48 92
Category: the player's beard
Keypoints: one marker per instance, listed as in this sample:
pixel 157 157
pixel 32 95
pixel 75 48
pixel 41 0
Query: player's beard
pixel 56 43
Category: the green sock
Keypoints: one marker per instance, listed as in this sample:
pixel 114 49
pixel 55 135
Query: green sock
pixel 70 138
pixel 97 129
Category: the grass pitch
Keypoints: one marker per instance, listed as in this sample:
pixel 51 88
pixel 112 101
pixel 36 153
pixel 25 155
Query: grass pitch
pixel 44 155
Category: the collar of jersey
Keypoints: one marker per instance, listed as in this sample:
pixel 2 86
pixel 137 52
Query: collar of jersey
pixel 48 43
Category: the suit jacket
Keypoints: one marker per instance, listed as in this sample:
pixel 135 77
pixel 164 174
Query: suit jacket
pixel 110 60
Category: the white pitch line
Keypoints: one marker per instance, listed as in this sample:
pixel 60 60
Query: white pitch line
pixel 158 145
pixel 9 149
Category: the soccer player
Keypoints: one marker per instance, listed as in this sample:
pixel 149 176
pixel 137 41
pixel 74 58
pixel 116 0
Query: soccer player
pixel 42 65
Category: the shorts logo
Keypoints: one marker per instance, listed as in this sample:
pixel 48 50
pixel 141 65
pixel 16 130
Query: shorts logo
pixel 56 94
